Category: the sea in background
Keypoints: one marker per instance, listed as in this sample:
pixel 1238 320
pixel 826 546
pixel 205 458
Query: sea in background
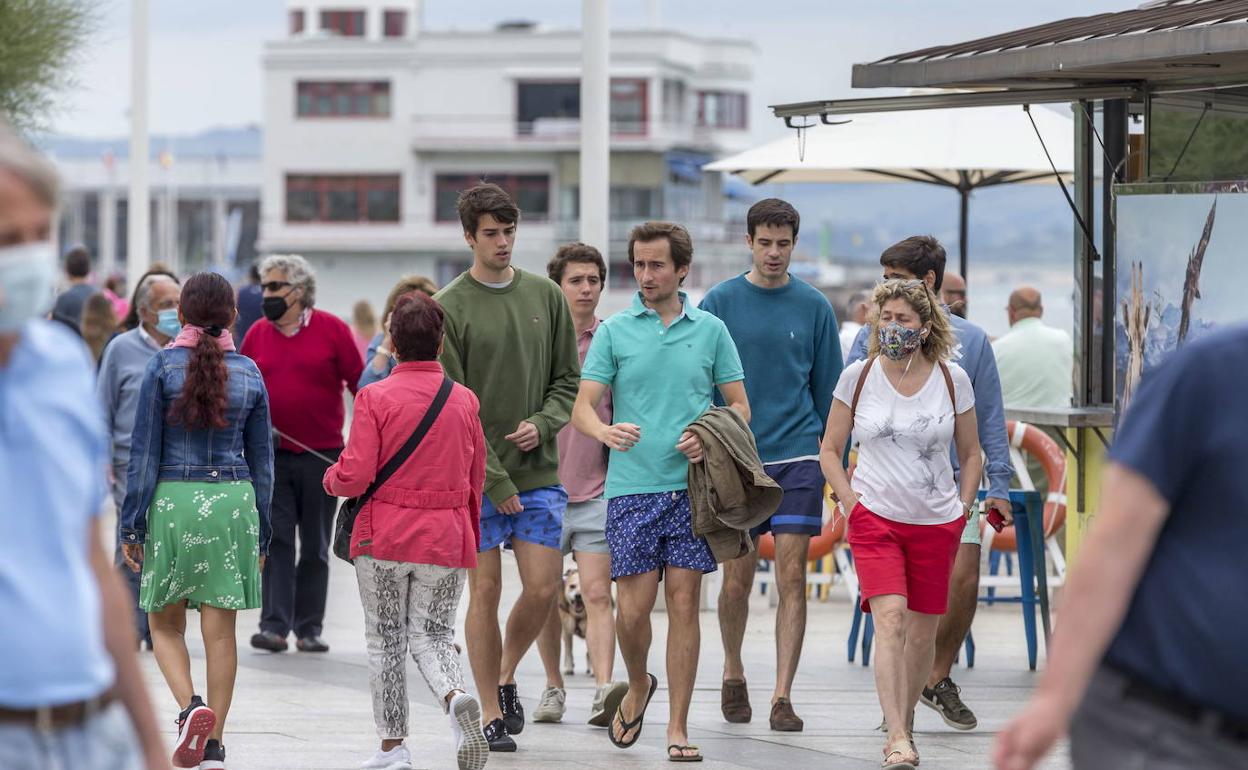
pixel 990 285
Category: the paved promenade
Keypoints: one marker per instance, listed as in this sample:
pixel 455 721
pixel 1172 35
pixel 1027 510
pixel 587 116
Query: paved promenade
pixel 306 712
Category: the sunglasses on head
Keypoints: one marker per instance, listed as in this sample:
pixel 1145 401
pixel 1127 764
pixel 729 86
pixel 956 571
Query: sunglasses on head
pixel 275 285
pixel 909 283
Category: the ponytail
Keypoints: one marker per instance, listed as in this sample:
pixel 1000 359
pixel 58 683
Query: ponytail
pixel 203 401
pixel 207 305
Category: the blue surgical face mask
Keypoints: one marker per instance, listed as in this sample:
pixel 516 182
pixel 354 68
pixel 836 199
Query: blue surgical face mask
pixel 167 322
pixel 27 283
pixel 897 341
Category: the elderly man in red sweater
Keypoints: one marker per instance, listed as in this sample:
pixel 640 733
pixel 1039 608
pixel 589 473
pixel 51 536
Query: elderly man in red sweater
pixel 307 357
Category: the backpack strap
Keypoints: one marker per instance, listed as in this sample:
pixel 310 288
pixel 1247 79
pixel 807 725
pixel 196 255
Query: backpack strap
pixel 862 380
pixel 944 369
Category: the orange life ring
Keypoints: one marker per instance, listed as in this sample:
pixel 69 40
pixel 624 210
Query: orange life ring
pixel 1035 442
pixel 820 545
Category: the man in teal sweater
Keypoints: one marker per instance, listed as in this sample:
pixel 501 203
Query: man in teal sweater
pixel 786 333
pixel 510 339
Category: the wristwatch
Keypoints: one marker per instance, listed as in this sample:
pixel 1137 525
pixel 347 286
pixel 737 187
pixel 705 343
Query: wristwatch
pixel 971 509
pixel 385 352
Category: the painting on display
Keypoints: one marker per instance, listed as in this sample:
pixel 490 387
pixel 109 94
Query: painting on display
pixel 1180 270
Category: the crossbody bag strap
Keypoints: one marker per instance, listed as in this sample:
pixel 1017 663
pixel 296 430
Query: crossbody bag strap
pixel 953 399
pixel 862 380
pixel 412 442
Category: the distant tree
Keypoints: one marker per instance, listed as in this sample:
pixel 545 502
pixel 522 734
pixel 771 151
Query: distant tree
pixel 40 42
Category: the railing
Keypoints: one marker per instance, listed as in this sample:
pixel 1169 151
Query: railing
pixel 704 231
pixel 495 128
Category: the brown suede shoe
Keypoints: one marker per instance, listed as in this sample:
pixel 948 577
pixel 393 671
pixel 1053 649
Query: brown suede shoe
pixel 783 719
pixel 735 701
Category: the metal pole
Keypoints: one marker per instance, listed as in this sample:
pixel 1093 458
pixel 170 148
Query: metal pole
pixel 138 228
pixel 1087 389
pixel 963 229
pixel 1114 119
pixel 595 125
pixel 654 14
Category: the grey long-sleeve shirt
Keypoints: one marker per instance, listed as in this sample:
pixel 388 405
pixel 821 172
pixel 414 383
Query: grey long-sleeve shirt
pixel 121 373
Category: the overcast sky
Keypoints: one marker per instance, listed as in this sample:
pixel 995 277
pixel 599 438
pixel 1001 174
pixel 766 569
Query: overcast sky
pixel 205 57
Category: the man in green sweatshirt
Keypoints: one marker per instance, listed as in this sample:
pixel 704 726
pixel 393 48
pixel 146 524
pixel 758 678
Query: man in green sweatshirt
pixel 510 339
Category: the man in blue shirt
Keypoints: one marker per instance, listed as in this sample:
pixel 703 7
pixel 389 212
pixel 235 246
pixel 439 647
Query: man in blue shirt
pixel 922 257
pixel 661 358
pixel 71 692
pixel 250 300
pixel 1155 613
pixel 785 331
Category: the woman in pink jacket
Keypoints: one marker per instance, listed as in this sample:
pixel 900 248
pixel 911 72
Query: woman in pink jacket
pixel 416 538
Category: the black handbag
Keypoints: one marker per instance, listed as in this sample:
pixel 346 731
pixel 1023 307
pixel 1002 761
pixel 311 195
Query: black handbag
pixel 349 509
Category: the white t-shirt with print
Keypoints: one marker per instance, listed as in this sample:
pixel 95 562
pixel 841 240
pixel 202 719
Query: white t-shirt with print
pixel 904 472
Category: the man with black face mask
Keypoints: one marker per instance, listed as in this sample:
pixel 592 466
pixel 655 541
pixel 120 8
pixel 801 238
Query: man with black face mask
pixel 306 357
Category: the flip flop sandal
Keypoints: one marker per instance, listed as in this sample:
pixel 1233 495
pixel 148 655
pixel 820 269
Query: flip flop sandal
pixel 682 757
pixel 626 727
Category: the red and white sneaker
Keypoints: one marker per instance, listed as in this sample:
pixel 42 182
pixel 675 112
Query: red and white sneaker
pixel 195 723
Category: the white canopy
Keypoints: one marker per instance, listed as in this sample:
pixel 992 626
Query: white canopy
pixel 963 149
pixel 991 145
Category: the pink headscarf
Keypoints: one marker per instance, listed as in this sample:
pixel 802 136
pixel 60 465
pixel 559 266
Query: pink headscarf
pixel 190 334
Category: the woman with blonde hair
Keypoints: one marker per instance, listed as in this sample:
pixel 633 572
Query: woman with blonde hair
pixel 906 508
pixel 379 359
pixel 363 326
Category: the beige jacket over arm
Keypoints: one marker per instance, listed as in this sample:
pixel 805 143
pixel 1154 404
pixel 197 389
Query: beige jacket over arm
pixel 729 493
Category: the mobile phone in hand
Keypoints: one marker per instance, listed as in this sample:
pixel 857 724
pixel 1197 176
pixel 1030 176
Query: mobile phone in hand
pixel 996 519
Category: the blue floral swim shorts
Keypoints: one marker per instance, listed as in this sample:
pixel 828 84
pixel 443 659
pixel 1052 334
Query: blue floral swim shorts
pixel 650 531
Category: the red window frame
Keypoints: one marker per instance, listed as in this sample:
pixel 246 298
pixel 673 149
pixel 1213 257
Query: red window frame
pixel 345 22
pixel 740 103
pixel 394 23
pixel 361 184
pixel 644 121
pixel 512 183
pixel 641 128
pixel 315 90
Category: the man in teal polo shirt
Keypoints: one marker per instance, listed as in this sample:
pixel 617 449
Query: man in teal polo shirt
pixel 661 358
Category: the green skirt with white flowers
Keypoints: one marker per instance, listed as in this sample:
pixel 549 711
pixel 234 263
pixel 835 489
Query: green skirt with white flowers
pixel 203 546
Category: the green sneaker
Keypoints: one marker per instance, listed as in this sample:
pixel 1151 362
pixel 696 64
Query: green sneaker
pixel 945 699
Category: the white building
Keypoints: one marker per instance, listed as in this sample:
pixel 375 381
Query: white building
pixel 205 198
pixel 374 124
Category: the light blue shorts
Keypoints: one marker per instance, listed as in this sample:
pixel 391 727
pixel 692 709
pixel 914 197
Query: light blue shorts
pixel 541 521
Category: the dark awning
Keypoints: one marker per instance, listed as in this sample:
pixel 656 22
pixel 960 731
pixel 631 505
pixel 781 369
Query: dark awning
pixel 1173 41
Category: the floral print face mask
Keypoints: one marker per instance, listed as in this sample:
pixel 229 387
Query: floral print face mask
pixel 897 341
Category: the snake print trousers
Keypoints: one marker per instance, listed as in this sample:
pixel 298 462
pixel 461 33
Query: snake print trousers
pixel 408 607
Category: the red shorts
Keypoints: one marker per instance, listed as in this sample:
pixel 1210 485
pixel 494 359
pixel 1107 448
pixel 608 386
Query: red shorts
pixel 911 560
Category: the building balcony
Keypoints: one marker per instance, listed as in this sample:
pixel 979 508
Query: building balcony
pixel 702 232
pixel 505 133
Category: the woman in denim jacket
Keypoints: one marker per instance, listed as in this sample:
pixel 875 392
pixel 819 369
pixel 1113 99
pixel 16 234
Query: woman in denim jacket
pixel 196 514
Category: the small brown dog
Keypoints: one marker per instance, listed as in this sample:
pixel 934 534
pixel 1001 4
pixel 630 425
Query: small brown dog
pixel 573 618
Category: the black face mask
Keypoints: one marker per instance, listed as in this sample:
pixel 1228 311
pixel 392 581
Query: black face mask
pixel 274 308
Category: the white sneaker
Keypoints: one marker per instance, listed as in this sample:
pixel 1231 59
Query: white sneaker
pixel 551 706
pixel 471 748
pixel 398 758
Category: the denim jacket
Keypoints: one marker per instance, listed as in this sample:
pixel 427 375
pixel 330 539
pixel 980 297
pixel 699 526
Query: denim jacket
pixel 164 452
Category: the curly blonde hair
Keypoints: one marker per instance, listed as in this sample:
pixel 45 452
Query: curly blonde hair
pixel 940 341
